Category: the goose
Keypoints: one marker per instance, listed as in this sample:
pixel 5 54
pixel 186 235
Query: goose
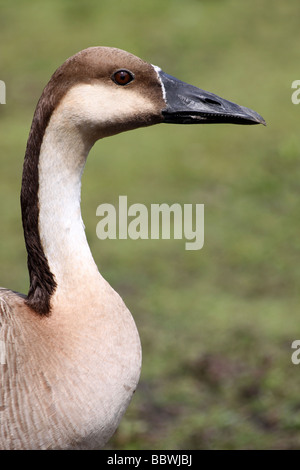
pixel 70 349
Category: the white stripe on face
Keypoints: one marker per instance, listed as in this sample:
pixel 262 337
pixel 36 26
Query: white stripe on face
pixel 157 70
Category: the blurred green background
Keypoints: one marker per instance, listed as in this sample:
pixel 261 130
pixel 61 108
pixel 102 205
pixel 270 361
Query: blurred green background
pixel 217 324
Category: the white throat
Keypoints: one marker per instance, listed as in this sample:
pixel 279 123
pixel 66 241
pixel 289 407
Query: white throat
pixel 62 158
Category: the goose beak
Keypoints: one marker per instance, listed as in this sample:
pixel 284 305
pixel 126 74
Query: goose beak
pixel 187 104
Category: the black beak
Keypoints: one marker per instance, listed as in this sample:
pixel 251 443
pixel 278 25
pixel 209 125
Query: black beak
pixel 187 104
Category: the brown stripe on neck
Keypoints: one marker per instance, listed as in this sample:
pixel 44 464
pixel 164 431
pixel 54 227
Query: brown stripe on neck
pixel 42 282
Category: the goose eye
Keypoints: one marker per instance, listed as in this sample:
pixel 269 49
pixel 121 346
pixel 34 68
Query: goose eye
pixel 122 77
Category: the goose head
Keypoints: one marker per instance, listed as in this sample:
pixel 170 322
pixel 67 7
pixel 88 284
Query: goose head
pixel 106 90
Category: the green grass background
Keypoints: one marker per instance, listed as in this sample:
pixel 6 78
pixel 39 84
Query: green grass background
pixel 217 324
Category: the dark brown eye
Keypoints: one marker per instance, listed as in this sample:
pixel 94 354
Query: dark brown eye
pixel 122 77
